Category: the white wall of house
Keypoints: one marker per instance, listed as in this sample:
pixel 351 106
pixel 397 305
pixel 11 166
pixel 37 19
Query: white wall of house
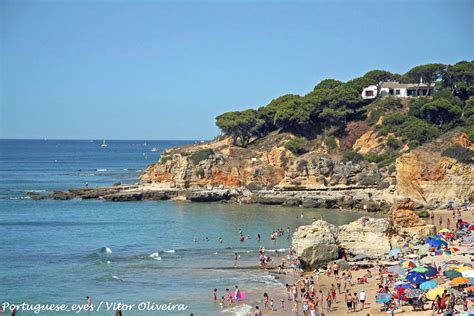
pixel 369 93
pixel 397 92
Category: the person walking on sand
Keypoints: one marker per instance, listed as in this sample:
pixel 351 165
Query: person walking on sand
pixel 362 297
pixel 348 299
pixel 265 301
pixel 329 301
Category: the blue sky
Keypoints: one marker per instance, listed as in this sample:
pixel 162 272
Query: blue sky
pixel 164 70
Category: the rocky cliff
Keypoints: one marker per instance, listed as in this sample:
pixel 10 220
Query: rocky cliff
pixel 318 178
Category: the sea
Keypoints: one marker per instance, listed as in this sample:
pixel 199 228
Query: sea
pixel 150 252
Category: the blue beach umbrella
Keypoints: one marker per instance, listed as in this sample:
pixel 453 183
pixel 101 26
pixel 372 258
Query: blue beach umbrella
pixel 384 298
pixel 431 271
pixel 428 285
pixel 394 252
pixel 415 277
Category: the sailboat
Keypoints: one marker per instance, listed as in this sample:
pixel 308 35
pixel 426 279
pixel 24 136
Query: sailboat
pixel 103 144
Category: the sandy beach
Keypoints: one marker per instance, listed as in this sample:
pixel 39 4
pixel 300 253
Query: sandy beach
pixel 339 306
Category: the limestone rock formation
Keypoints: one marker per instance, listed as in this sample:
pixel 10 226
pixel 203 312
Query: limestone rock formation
pixel 371 237
pixel 315 244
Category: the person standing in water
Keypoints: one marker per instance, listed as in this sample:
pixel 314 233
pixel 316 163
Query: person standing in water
pixel 236 258
pixel 236 293
pixel 88 301
pixel 214 295
pixel 258 237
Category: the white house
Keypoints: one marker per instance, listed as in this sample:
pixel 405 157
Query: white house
pixel 401 90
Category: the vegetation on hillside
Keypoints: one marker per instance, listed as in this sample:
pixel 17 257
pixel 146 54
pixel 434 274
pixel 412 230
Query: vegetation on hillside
pixel 332 104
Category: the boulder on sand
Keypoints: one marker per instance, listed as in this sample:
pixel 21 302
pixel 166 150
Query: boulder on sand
pixel 315 244
pixel 369 237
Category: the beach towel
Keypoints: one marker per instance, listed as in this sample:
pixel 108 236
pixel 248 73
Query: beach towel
pixel 242 296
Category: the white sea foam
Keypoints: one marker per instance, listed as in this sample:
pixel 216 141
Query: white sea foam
pixel 238 310
pixel 170 251
pixel 273 250
pixel 101 170
pixel 106 250
pixel 155 255
pixel 108 262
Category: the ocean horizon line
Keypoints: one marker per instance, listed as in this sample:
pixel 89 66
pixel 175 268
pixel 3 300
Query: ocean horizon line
pixel 107 139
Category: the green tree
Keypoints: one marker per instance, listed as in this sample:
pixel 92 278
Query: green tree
pixel 360 83
pixel 328 84
pixel 430 73
pixel 459 78
pixel 240 125
pixel 267 113
pixel 441 111
pixel 415 106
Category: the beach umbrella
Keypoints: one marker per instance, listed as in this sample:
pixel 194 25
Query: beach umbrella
pixel 451 274
pixel 471 281
pixel 471 227
pixel 430 271
pixel 442 252
pixel 384 298
pixel 414 293
pixel 408 264
pixel 468 273
pixel 423 250
pixel 444 230
pixel 403 286
pixel 470 289
pixel 463 268
pixel 428 285
pixel 419 269
pixel 415 278
pixel 431 294
pixel 459 281
pixel 453 249
pixel 396 270
pixel 360 257
pixel 395 252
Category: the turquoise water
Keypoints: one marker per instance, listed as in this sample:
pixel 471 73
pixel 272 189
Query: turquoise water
pixel 61 251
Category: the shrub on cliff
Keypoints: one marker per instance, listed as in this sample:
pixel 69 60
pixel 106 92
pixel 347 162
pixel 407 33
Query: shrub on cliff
pixel 297 145
pixel 459 153
pixel 470 132
pixel 351 155
pixel 372 157
pixel 393 143
pixel 201 155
